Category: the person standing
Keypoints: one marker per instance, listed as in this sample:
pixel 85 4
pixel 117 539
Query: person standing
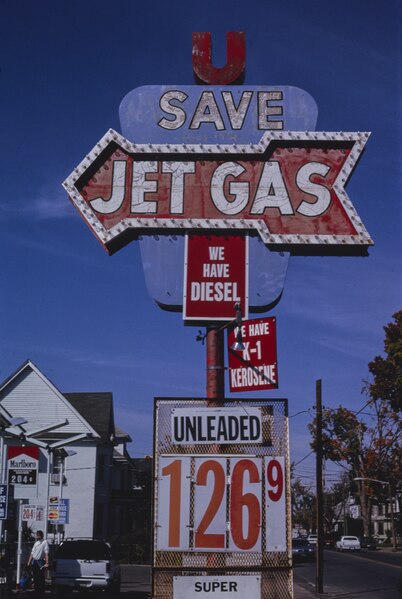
pixel 39 558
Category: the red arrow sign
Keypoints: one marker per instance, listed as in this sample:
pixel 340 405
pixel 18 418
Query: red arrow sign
pixel 289 188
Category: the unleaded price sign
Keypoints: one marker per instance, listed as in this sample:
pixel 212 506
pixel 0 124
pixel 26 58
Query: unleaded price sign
pixel 222 503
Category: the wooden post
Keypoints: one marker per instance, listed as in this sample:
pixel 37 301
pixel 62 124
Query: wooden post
pixel 319 489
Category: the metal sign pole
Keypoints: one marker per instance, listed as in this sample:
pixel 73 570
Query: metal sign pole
pixel 215 363
pixel 19 544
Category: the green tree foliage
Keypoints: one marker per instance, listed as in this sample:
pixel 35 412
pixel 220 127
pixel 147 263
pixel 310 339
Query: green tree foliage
pixel 369 442
pixel 387 371
pixel 303 506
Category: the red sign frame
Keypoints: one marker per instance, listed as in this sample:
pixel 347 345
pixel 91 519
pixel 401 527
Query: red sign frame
pixel 288 188
pixel 215 277
pixel 255 368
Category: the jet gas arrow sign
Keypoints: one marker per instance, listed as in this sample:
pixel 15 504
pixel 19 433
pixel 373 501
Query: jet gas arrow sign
pixel 289 188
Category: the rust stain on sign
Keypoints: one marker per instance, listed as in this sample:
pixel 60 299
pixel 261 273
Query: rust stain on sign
pixel 232 72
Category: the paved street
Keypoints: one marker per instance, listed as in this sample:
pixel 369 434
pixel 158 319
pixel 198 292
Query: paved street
pixel 364 575
pixel 136 580
pixel 370 574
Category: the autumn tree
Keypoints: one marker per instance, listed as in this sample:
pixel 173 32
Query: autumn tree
pixel 369 442
pixel 303 505
pixel 387 371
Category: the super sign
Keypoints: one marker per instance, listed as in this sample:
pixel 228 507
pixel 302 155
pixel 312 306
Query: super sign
pixel 289 188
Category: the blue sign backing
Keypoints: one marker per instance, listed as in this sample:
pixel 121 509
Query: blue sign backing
pixel 214 114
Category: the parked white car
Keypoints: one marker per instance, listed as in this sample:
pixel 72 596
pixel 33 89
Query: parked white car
pixel 348 543
pixel 312 539
pixel 85 564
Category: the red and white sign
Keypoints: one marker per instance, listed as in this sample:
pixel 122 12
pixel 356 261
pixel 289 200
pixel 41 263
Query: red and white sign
pixel 236 503
pixel 215 277
pixel 33 513
pixel 23 464
pixel 256 367
pixel 289 188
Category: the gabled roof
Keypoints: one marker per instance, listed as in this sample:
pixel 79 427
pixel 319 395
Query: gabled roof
pixel 97 409
pixel 121 436
pixel 27 392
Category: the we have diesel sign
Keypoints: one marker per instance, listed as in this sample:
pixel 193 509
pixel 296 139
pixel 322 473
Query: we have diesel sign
pixel 215 277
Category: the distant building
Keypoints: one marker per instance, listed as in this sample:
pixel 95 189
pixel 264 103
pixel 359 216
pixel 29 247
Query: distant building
pixel 380 518
pixel 82 456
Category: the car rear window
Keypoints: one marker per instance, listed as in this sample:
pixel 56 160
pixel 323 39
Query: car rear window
pixel 301 543
pixel 83 550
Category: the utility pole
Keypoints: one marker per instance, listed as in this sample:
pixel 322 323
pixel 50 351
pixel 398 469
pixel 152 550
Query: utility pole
pixel 319 486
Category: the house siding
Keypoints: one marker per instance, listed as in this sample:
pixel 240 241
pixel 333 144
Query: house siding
pixel 30 397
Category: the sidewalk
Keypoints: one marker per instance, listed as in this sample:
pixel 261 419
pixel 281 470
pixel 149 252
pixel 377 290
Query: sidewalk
pixel 301 592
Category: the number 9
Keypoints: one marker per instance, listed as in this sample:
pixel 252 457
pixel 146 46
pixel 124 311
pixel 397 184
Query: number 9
pixel 275 480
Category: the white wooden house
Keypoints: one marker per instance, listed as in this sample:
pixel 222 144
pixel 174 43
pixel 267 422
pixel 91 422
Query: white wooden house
pixel 81 456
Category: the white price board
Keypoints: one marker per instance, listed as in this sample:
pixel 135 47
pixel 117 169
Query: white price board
pixel 173 519
pixel 217 587
pixel 229 495
pixel 33 513
pixel 210 504
pixel 275 504
pixel 245 504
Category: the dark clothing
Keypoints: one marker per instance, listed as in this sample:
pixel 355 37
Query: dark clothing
pixel 38 573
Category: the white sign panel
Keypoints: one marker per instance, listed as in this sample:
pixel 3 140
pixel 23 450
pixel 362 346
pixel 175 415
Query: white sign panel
pixel 173 518
pixel 228 494
pixel 210 504
pixel 275 504
pixel 217 587
pixel 204 426
pixel 245 504
pixel 33 513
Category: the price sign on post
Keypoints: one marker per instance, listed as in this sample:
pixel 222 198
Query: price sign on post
pixel 235 504
pixel 255 368
pixel 222 496
pixel 33 513
pixel 23 465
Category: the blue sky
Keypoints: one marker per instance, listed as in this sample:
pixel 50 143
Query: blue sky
pixel 86 319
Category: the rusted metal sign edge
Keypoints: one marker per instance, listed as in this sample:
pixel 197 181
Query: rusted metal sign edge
pixel 122 232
